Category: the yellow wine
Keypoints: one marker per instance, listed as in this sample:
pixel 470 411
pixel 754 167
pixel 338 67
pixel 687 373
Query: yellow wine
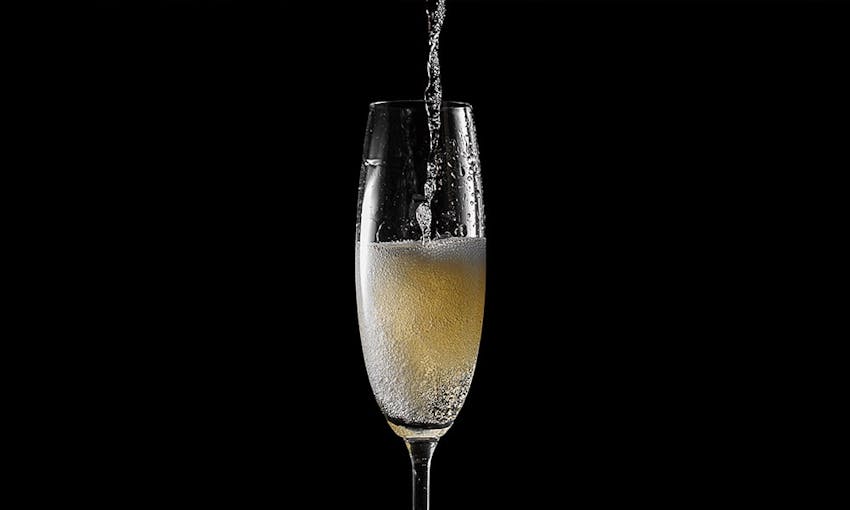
pixel 421 307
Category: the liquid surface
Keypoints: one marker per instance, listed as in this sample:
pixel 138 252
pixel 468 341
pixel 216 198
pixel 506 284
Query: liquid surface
pixel 421 307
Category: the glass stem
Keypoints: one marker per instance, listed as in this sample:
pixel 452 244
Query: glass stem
pixel 421 451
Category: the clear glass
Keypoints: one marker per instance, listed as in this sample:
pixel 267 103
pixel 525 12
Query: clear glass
pixel 420 301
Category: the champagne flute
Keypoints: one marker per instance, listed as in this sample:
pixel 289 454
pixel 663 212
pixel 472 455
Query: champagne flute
pixel 420 271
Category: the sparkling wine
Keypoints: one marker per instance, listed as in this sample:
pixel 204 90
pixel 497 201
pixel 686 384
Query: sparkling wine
pixel 421 307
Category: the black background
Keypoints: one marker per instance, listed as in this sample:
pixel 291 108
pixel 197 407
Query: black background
pixel 634 155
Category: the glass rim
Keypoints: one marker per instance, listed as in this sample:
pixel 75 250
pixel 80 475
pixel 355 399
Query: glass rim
pixel 402 103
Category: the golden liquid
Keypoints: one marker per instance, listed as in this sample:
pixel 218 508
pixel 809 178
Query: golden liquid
pixel 421 307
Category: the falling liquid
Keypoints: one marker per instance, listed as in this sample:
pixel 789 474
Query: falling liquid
pixel 436 11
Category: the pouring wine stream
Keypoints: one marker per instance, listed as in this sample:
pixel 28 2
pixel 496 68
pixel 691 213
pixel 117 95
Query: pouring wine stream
pixel 436 12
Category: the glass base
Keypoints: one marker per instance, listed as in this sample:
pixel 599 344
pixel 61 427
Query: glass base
pixel 410 433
